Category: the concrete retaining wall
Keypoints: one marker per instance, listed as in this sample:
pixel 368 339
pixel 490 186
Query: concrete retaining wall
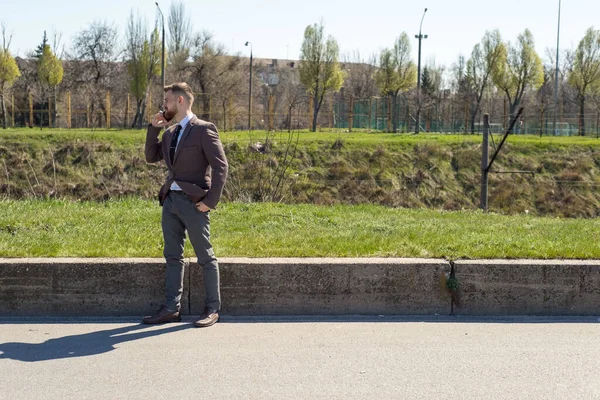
pixel 528 287
pixel 116 287
pixel 82 287
pixel 327 286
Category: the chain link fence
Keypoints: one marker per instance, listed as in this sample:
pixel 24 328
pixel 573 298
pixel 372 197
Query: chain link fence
pixel 271 112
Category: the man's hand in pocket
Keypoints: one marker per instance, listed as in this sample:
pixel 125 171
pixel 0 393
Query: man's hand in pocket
pixel 202 207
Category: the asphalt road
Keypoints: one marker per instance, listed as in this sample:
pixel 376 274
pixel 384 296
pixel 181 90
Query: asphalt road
pixel 301 358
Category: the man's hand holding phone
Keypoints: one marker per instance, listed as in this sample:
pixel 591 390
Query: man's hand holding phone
pixel 159 120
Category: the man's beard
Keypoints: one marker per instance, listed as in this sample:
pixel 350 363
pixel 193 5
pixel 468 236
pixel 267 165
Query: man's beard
pixel 168 115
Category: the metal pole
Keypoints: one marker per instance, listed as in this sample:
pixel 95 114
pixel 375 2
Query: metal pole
pixel 418 119
pixel 556 71
pixel 483 202
pixel 250 95
pixel 250 90
pixel 162 65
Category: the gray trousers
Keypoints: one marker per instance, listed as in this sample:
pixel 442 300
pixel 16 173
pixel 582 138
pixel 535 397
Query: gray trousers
pixel 179 215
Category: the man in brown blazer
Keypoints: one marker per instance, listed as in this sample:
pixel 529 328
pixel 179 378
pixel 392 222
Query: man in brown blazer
pixel 197 166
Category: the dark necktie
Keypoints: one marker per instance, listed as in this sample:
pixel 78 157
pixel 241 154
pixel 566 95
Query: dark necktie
pixel 174 141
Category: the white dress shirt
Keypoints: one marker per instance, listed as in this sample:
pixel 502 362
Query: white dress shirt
pixel 183 123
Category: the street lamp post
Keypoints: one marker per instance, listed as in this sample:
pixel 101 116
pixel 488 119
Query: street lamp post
pixel 250 90
pixel 556 72
pixel 162 64
pixel 420 37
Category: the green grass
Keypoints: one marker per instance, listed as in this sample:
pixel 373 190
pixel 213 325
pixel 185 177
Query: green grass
pixel 136 137
pixel 131 228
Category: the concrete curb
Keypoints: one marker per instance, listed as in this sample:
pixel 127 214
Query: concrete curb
pixel 304 286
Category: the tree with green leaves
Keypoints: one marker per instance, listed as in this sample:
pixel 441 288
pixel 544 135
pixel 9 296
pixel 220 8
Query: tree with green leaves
pixel 320 72
pixel 50 73
pixel 584 75
pixel 40 49
pixel 143 57
pixel 397 72
pixel 9 71
pixel 486 58
pixel 522 70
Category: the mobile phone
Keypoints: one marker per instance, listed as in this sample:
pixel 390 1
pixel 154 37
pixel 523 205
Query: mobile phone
pixel 162 111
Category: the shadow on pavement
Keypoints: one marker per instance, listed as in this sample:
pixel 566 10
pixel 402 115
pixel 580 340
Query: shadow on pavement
pixel 81 345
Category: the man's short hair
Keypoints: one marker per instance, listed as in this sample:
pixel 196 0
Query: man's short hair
pixel 181 89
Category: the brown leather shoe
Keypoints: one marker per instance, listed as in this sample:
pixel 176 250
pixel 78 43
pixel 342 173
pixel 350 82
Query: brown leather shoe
pixel 163 315
pixel 208 318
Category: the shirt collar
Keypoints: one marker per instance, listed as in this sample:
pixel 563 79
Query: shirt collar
pixel 186 120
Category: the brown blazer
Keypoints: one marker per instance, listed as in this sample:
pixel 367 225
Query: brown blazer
pixel 199 166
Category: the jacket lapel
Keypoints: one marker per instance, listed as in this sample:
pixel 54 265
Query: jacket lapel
pixel 184 134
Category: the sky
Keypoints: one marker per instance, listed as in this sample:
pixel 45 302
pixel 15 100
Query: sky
pixel 275 28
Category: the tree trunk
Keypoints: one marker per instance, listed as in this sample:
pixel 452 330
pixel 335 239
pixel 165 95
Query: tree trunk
pixel 541 121
pixel 513 110
pixel 3 112
pixel 597 124
pixel 92 113
pixel 55 109
pixel 135 116
pixel 206 107
pixel 582 116
pixel 473 117
pixel 139 112
pixel 289 119
pixel 315 111
pixel 394 113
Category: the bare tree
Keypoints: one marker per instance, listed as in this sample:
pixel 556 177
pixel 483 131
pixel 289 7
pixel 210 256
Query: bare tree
pixel 544 96
pixel 360 80
pixel 180 33
pixel 566 93
pixel 95 56
pixel 461 90
pixel 209 67
pixel 431 89
pixel 58 48
pixel 227 84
